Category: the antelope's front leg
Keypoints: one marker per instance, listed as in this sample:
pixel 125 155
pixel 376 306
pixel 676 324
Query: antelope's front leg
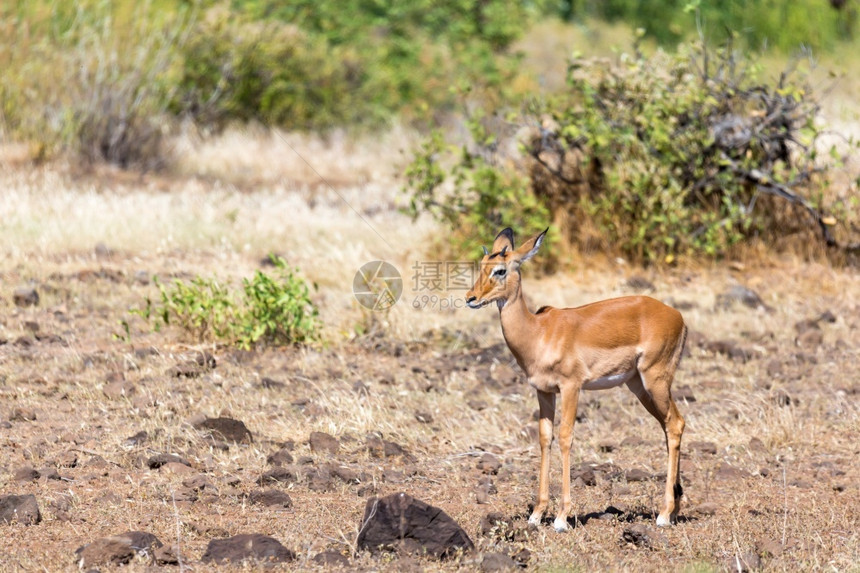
pixel 569 402
pixel 546 402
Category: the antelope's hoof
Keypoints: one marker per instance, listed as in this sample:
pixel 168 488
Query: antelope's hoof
pixel 534 519
pixel 560 524
pixel 663 521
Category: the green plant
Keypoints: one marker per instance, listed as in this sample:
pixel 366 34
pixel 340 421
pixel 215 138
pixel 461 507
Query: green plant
pixel 687 153
pixel 268 310
pixel 483 196
pixel 93 79
pixel 276 311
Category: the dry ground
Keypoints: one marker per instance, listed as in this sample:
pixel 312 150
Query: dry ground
pixel 770 457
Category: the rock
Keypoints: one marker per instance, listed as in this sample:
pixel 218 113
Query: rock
pixel 637 474
pixel 249 547
pixel 683 393
pixel 744 563
pixel 49 473
pixel 606 446
pixel 707 508
pixel 728 472
pixel 200 483
pixel 280 458
pixel 226 429
pixel 271 498
pixel 166 555
pixel 331 559
pixel 489 464
pixel 345 474
pixel 321 442
pixel 423 417
pixel 137 439
pixel 117 549
pixel 586 474
pixel 497 525
pixel 21 509
pixel 639 283
pixel 812 338
pixel 742 295
pixel 25 296
pixel 118 389
pixel 21 414
pixel 769 547
pixel 68 459
pixel 400 521
pixel 102 251
pixel 159 460
pixel 320 480
pixel 498 562
pixel 25 474
pixel 477 405
pixel 703 447
pixel 729 348
pixel 285 474
pixel 201 363
pixel 643 536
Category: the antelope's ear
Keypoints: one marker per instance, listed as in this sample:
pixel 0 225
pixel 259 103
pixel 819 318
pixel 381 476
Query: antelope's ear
pixel 530 248
pixel 505 238
pixel 486 252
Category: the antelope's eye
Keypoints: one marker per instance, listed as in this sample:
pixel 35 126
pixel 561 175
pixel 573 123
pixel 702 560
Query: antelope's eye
pixel 500 272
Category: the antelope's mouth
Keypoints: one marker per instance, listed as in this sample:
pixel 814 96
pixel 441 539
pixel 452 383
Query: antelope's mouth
pixel 473 302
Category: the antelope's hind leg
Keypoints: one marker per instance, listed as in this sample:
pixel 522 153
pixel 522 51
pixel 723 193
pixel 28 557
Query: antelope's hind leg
pixel 654 393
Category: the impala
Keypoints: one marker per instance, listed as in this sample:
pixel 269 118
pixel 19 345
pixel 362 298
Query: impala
pixel 632 340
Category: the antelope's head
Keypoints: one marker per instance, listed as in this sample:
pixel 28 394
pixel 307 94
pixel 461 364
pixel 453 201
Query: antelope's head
pixel 498 275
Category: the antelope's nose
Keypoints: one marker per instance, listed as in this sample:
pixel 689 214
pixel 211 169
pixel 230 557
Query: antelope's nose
pixel 470 299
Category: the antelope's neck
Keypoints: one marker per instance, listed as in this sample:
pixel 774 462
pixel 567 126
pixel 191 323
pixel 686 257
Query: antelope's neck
pixel 519 327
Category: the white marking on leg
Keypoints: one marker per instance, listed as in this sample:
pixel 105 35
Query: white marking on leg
pixel 663 521
pixel 534 519
pixel 560 524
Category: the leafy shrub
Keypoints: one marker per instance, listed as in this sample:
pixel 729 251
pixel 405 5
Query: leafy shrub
pixel 783 25
pixel 674 154
pixel 485 196
pixel 90 79
pixel 268 310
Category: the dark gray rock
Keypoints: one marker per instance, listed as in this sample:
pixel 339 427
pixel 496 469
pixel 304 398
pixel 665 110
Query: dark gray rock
pixel 401 522
pixel 247 547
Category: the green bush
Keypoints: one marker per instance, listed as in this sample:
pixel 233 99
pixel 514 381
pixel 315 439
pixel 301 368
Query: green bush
pixel 684 154
pixel 268 310
pixel 91 78
pixel 785 25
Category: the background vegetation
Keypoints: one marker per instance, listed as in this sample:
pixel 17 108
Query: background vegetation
pixel 112 81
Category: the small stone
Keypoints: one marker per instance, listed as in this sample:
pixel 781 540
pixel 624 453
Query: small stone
pixel 21 414
pixel 200 483
pixel 137 439
pixel 498 562
pixel 728 472
pixel 489 464
pixel 423 417
pixel 769 547
pixel 477 405
pixel 25 474
pixel 606 446
pixel 331 559
pixel 321 442
pixel 708 508
pixel 21 509
pixel 102 251
pixel 247 547
pixel 812 338
pixel 119 389
pixel 637 474
pixel 280 458
pixel 25 296
pixel 279 474
pixel 744 563
pixel 67 459
pixel 740 294
pixel 683 393
pixel 639 283
pixel 703 447
pixel 118 549
pixel 271 498
pixel 643 536
pixel 166 555
pixel 159 460
pixel 226 429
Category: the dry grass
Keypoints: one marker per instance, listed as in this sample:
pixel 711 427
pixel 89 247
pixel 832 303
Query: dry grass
pixel 220 218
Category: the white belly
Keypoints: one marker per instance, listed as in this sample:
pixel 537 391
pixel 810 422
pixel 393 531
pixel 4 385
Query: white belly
pixel 607 382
